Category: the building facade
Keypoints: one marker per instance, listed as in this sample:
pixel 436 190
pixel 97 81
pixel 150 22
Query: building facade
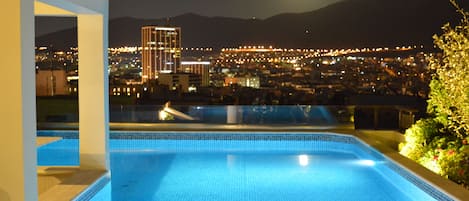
pixel 201 68
pixel 244 81
pixel 185 82
pixel 161 51
pixel 51 83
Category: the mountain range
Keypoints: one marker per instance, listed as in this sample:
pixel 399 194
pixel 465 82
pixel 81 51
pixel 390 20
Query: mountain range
pixel 349 23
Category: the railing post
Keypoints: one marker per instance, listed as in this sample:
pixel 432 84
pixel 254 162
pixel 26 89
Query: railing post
pixel 233 114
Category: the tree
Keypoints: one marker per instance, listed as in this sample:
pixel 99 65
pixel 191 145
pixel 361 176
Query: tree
pixel 440 142
pixel 449 95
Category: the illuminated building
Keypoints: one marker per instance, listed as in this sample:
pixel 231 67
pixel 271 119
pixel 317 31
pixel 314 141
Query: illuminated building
pixel 197 67
pixel 161 51
pixel 185 82
pixel 51 83
pixel 244 81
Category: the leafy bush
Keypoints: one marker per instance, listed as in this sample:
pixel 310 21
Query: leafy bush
pixel 440 143
pixel 418 137
pixel 432 145
pixel 449 95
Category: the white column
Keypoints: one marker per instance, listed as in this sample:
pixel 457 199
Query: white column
pixel 93 91
pixel 18 178
pixel 233 114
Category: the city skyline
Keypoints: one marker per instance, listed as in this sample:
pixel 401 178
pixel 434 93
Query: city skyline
pixel 318 73
pixel 274 75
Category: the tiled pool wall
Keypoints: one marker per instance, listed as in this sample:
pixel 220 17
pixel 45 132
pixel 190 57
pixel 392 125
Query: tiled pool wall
pixel 100 190
pixel 315 141
pixel 393 168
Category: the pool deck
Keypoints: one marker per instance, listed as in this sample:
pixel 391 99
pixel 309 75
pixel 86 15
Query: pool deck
pixel 387 142
pixel 73 181
pixel 62 183
pixel 46 140
pixel 200 127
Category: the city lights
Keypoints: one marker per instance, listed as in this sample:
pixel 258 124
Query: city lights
pixel 306 71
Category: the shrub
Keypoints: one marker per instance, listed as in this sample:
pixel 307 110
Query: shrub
pixel 440 143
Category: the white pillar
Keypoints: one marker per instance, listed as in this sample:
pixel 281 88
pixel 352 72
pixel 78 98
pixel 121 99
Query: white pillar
pixel 18 179
pixel 93 90
pixel 233 114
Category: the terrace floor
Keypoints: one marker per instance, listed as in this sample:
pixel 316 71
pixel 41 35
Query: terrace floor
pixel 62 183
pixel 46 140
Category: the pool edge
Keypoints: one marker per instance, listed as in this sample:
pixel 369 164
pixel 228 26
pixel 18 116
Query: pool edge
pixel 447 187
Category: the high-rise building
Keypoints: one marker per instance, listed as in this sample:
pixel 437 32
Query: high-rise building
pixel 161 51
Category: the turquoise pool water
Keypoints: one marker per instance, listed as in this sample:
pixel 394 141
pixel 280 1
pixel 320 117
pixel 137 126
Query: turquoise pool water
pixel 239 167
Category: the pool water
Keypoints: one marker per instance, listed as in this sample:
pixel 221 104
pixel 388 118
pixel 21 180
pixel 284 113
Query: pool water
pixel 246 176
pixel 240 170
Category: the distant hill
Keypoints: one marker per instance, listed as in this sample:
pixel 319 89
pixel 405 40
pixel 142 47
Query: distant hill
pixel 351 23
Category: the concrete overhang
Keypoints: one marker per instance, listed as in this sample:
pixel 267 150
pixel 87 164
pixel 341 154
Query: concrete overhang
pixel 69 8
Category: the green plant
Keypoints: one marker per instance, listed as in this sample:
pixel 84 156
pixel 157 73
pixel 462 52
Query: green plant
pixel 440 143
pixel 449 95
pixel 418 137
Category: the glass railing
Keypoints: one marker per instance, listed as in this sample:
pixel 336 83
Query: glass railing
pixel 230 114
pixel 362 117
pixel 215 114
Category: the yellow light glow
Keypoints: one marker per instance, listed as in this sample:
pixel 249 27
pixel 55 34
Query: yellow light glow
pixel 162 115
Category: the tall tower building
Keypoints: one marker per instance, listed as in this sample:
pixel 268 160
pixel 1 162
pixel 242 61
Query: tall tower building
pixel 161 51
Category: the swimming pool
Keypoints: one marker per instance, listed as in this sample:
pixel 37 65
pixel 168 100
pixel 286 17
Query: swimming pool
pixel 245 166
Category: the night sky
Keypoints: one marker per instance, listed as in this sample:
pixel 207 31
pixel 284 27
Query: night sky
pixel 228 8
pixel 156 9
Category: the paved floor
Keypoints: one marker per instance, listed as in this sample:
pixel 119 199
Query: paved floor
pixel 200 127
pixel 46 140
pixel 376 138
pixel 62 183
pixel 387 142
pixel 46 182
